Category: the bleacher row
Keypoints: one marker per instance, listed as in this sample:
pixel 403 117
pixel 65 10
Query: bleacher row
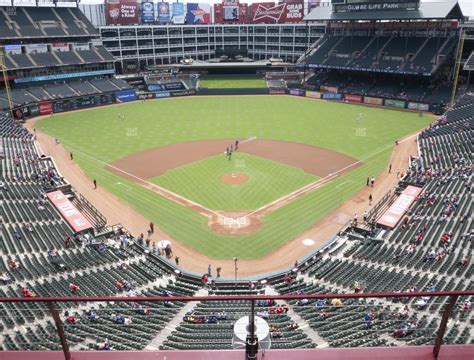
pixel 32 94
pixel 28 23
pixel 94 55
pixel 34 237
pixel 399 54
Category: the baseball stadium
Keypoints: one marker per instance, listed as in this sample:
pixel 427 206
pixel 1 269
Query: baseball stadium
pixel 234 180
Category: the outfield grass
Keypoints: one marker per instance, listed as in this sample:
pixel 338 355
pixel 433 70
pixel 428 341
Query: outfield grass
pixel 266 181
pixel 232 81
pixel 98 137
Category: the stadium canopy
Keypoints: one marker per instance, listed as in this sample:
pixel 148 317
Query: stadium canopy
pixel 449 9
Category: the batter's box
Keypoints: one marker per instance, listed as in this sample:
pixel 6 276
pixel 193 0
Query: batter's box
pixel 239 222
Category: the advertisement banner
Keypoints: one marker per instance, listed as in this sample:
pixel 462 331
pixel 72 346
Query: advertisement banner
pixel 45 3
pixel 198 13
pixel 332 96
pixel 6 3
pixel 183 93
pixel 331 89
pixel 62 76
pixel 293 11
pixel 148 11
pixel 162 94
pixel 126 95
pixel 154 87
pixel 395 103
pixel 34 110
pixel 121 12
pixel 21 112
pixel 353 98
pixel 60 46
pixel 146 96
pixel 230 12
pixel 164 16
pixel 296 92
pixel 178 13
pixel 24 3
pixel 373 100
pixel 36 48
pixel 68 211
pixel 313 94
pixel 13 49
pixel 418 106
pixel 394 213
pixel 45 107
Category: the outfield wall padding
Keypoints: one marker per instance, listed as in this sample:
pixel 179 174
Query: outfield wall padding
pixel 243 91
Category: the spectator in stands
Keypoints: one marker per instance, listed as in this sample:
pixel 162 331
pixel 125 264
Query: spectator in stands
pixel 103 345
pixel 368 318
pixel 321 303
pixel 71 319
pixel 336 302
pixel 12 264
pixel 4 278
pixel 73 287
pixel 466 305
pixel 17 235
pixel 209 270
pixel 251 285
pixel 25 292
pixel 403 312
pixel 92 314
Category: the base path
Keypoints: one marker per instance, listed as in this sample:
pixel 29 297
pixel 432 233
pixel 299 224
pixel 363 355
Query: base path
pixel 144 165
pixel 118 211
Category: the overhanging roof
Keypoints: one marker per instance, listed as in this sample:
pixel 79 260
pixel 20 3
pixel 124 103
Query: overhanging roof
pixel 447 9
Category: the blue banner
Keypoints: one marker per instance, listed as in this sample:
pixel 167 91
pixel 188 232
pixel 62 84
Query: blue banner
pixel 148 11
pixel 178 13
pixel 154 87
pixel 62 76
pixel 332 96
pixel 164 16
pixel 126 95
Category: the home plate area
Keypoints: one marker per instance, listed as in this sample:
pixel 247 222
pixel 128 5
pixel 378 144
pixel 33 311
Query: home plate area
pixel 235 223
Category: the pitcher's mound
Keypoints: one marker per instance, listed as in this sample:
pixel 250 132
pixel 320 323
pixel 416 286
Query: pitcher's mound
pixel 234 178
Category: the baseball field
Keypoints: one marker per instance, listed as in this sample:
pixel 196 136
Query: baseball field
pixel 297 160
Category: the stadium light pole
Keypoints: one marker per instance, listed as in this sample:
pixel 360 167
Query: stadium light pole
pixel 235 268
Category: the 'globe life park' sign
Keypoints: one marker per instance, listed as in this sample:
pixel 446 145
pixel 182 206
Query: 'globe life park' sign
pixel 377 5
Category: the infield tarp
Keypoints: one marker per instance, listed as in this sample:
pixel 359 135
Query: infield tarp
pixel 69 212
pixel 394 213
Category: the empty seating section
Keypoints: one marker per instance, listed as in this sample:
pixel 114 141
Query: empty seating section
pixel 68 57
pixel 89 56
pixel 104 53
pixel 44 59
pixel 22 60
pixel 58 91
pixel 23 23
pixel 388 53
pixel 53 22
pixel 121 84
pixel 83 88
pixel 104 85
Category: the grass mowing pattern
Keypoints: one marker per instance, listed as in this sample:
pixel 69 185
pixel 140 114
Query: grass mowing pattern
pixel 232 81
pixel 266 181
pixel 98 137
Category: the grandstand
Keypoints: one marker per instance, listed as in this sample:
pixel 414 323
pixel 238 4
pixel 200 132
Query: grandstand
pixel 386 288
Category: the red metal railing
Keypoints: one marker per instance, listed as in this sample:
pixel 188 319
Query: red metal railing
pixel 453 297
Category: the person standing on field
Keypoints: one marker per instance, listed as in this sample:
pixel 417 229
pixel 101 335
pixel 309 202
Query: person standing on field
pixel 152 227
pixel 95 184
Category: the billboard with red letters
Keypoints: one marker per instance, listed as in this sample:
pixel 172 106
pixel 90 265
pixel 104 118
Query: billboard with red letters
pixel 69 212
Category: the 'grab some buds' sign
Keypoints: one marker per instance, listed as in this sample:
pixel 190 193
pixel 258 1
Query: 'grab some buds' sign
pixel 271 13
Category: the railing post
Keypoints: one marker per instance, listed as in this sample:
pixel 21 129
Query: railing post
pixel 59 327
pixel 251 346
pixel 442 325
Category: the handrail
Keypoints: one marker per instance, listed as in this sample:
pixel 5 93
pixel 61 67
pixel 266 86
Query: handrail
pixel 235 297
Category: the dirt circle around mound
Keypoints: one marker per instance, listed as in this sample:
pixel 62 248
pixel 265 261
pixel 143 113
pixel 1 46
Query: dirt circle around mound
pixel 234 178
